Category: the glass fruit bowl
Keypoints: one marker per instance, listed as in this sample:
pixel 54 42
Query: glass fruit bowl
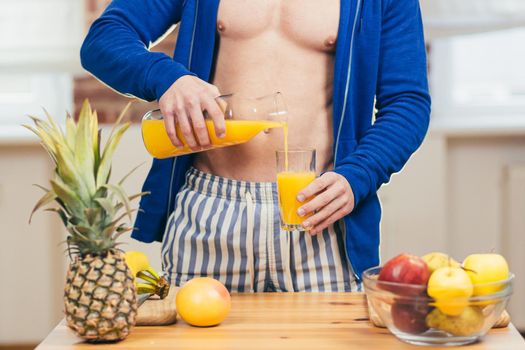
pixel 413 317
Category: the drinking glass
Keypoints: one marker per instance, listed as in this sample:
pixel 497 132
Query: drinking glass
pixel 295 170
pixel 244 119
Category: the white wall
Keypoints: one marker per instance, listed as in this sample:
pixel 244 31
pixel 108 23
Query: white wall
pixel 30 256
pixel 414 203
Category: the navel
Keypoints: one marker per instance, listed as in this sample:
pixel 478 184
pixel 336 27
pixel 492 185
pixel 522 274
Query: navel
pixel 220 26
pixel 330 42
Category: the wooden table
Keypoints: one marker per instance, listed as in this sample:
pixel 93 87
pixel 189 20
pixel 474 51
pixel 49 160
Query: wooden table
pixel 278 321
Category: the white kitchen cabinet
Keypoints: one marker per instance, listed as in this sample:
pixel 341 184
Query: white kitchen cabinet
pixel 24 94
pixel 41 34
pixel 39 53
pixel 444 18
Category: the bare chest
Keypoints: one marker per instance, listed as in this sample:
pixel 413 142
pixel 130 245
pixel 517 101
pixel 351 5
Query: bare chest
pixel 308 23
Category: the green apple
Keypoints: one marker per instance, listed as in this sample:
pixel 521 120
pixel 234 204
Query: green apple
pixel 435 260
pixel 451 288
pixel 486 268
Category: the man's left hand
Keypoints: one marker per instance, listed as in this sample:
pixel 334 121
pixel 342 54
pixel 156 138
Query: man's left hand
pixel 333 200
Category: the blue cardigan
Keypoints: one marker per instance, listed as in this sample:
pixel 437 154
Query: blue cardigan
pixel 380 54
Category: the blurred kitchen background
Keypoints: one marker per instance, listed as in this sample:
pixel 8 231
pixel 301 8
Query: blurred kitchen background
pixel 463 192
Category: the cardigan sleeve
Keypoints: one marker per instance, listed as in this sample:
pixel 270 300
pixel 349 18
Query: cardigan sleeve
pixel 116 49
pixel 403 103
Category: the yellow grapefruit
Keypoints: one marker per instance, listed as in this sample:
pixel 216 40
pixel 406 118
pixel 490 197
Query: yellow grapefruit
pixel 203 302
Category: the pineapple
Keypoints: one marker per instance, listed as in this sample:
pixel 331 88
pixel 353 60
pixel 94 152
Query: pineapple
pixel 99 299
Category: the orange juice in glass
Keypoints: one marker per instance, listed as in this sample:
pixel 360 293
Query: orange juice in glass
pixel 295 171
pixel 244 118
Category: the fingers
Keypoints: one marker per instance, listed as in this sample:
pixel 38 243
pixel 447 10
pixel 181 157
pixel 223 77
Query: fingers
pixel 182 105
pixel 316 186
pixel 169 122
pixel 322 214
pixel 213 91
pixel 312 189
pixel 324 207
pixel 216 114
pixel 318 202
pixel 185 129
pixel 337 215
pixel 333 194
pixel 197 120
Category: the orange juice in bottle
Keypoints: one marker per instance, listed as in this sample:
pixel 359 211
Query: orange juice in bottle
pixel 244 119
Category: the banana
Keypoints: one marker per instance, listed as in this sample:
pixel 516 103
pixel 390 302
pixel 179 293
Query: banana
pixel 138 261
pixel 152 282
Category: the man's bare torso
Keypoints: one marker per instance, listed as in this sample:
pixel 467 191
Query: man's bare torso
pixel 276 45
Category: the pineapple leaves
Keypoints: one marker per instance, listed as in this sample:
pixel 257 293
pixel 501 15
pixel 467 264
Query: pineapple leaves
pixel 104 168
pixel 95 133
pixel 85 159
pixel 54 127
pixel 138 195
pixel 71 201
pixel 47 143
pixel 79 235
pixel 107 205
pixel 71 130
pixel 105 161
pixel 125 177
pixel 47 198
pixel 96 150
pixel 68 172
pixel 61 213
pixel 121 230
pixel 93 215
pixel 42 187
pixel 88 205
pixel 119 118
pixel 50 135
pixel 121 195
pixel 114 222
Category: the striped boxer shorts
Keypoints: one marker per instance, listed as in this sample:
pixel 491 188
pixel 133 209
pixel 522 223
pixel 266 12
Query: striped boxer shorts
pixel 230 230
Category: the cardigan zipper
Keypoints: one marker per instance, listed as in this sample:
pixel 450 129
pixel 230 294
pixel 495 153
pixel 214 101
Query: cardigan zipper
pixel 358 15
pixel 348 75
pixel 190 56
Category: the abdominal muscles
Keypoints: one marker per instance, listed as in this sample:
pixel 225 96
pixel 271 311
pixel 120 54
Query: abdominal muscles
pixel 270 46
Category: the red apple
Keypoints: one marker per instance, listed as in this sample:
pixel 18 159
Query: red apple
pixel 407 269
pixel 410 317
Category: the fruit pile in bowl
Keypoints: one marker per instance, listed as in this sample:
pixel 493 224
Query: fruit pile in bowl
pixel 434 300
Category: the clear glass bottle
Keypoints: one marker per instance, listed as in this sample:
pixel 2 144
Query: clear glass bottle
pixel 244 119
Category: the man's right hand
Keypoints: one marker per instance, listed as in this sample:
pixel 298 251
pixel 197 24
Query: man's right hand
pixel 183 104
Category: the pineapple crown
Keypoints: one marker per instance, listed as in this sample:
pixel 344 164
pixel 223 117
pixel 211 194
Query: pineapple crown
pixel 91 208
